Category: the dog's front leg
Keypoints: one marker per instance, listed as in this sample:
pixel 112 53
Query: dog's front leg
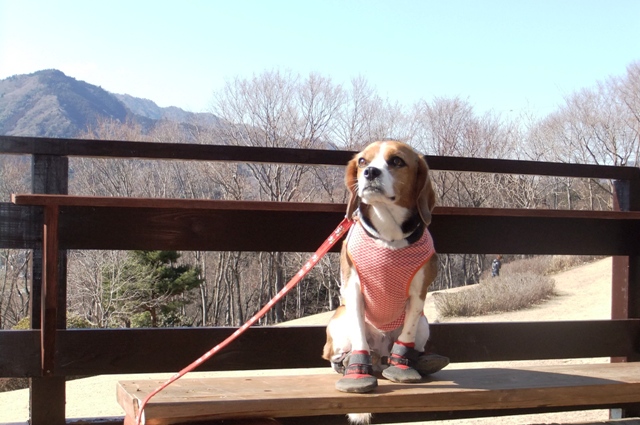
pixel 358 376
pixel 354 303
pixel 403 353
pixel 408 361
pixel 414 312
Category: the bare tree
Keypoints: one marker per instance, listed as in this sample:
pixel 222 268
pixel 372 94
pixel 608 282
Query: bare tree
pixel 627 90
pixel 596 125
pixel 15 278
pixel 366 117
pixel 276 109
pixel 450 127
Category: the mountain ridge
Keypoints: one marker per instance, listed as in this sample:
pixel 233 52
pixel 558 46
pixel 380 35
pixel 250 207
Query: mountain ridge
pixel 48 103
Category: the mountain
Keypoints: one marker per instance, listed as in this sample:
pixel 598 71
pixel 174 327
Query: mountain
pixel 49 103
pixel 147 108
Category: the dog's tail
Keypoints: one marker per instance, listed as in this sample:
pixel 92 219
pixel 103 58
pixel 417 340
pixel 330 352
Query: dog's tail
pixel 360 418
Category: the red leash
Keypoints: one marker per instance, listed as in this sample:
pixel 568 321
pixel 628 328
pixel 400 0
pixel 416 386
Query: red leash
pixel 324 248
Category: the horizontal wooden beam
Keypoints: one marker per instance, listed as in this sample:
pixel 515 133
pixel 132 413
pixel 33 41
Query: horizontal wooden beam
pixel 477 342
pixel 411 417
pixel 176 203
pixel 395 417
pixel 114 351
pixel 19 353
pixel 465 234
pixel 169 151
pixel 303 227
pixel 180 151
pixel 251 229
pixel 216 204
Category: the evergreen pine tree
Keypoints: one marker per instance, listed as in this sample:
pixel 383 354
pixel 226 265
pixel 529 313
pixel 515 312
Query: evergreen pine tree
pixel 151 289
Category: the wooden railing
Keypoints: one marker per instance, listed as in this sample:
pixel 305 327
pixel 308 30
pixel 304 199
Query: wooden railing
pixel 250 226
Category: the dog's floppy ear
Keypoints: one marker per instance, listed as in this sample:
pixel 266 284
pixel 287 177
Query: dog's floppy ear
pixel 426 196
pixel 351 180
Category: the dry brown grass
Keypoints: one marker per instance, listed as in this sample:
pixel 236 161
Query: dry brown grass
pixel 560 263
pixel 496 295
pixel 11 384
pixel 521 284
pixel 546 265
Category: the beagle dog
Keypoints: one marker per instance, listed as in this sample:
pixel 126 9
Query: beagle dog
pixel 387 264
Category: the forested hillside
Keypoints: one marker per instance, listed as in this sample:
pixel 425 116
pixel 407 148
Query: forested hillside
pixel 597 125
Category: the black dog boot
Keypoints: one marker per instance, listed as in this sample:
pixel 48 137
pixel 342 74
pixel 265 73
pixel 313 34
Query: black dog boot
pixel 429 363
pixel 358 376
pixel 401 364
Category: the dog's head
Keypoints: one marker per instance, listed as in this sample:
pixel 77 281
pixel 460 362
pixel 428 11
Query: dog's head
pixel 390 172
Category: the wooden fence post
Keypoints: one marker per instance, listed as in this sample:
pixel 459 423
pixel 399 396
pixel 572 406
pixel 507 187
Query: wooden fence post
pixel 625 276
pixel 47 395
pixel 625 273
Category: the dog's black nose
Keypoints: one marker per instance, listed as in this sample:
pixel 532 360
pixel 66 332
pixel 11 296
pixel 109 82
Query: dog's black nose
pixel 371 173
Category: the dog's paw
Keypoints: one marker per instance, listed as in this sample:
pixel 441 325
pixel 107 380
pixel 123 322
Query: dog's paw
pixel 358 376
pixel 357 383
pixel 402 374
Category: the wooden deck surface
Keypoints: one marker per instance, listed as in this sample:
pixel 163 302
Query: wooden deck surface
pixel 448 390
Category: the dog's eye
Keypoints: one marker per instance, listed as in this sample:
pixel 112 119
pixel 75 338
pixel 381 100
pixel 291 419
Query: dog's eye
pixel 397 162
pixel 362 163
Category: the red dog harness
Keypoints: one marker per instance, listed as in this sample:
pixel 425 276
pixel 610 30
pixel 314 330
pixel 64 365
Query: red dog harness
pixel 386 274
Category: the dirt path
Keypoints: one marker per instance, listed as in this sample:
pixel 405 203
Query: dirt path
pixel 584 293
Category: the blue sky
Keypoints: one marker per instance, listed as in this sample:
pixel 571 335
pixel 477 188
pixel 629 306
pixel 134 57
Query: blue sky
pixel 508 56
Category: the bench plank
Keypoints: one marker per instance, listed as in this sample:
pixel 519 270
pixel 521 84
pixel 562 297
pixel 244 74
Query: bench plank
pixel 448 390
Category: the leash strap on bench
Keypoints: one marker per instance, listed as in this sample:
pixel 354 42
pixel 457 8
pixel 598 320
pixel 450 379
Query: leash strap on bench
pixel 324 248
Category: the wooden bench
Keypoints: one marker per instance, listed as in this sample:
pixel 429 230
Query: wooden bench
pixel 48 353
pixel 449 390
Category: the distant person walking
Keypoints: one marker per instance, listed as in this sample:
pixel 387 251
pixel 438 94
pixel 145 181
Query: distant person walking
pixel 495 266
